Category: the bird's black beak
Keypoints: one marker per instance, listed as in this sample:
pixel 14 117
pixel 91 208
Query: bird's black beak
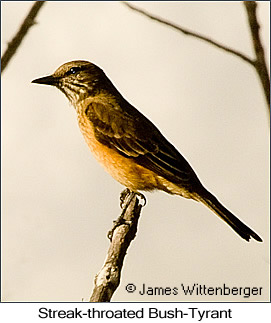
pixel 48 80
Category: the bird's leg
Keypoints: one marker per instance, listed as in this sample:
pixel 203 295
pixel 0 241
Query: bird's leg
pixel 126 197
pixel 125 193
pixel 123 196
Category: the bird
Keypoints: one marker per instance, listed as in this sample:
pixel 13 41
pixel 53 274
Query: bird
pixel 128 145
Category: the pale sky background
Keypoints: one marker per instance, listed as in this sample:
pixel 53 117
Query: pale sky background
pixel 58 203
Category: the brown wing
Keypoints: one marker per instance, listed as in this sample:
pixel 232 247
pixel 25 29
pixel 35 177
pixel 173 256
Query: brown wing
pixel 134 136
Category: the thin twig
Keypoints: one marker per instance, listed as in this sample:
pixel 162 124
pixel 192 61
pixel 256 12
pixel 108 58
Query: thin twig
pixel 191 33
pixel 16 41
pixel 108 278
pixel 261 67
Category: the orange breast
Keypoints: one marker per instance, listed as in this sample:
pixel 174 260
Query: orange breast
pixel 125 170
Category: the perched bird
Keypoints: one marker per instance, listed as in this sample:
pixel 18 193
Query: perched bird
pixel 127 144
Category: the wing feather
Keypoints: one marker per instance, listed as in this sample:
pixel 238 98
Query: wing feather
pixel 134 136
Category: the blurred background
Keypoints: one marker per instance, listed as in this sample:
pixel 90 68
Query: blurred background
pixel 57 201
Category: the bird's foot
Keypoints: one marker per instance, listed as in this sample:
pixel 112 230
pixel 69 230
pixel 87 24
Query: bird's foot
pixel 126 197
pixel 142 197
pixel 123 195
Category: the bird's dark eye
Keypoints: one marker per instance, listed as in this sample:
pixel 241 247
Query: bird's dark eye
pixel 73 70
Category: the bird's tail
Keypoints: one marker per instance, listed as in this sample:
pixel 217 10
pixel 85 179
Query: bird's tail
pixel 238 226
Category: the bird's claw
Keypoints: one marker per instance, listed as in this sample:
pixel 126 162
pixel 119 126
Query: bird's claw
pixel 125 194
pixel 142 197
pixel 126 197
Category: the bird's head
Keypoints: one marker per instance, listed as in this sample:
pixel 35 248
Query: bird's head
pixel 76 79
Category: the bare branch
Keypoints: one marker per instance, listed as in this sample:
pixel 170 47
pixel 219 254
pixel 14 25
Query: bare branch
pixel 260 63
pixel 16 41
pixel 191 33
pixel 108 278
